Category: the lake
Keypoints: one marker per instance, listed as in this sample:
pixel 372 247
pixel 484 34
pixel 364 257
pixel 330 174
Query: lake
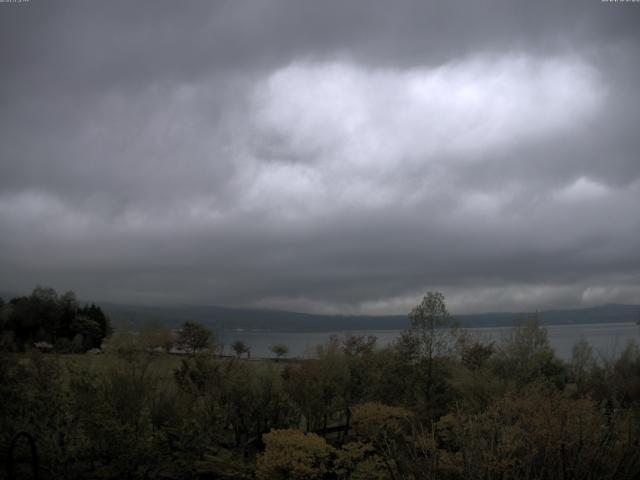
pixel 607 339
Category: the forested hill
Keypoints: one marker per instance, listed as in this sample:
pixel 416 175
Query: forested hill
pixel 248 319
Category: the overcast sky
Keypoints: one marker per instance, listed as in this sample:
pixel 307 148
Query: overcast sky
pixel 322 156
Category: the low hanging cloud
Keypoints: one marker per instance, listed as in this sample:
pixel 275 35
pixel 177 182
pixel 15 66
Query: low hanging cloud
pixel 468 107
pixel 340 131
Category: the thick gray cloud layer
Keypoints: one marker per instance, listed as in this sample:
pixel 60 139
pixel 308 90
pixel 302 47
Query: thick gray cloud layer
pixel 322 156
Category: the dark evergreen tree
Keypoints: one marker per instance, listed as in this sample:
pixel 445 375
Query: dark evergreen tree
pixel 44 316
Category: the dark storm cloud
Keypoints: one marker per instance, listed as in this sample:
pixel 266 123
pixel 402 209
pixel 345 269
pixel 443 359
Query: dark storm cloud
pixel 327 156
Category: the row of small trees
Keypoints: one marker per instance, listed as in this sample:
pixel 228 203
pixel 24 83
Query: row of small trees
pixel 280 350
pixel 192 338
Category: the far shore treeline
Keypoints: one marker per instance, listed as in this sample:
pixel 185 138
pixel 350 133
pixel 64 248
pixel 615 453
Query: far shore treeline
pixel 439 403
pixel 226 318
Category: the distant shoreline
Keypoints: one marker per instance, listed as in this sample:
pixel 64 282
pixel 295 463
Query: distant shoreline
pixel 229 319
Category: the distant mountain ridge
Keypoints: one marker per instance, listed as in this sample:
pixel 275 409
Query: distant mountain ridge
pixel 224 318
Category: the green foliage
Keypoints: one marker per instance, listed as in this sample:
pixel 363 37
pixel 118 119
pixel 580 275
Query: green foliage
pixel 318 386
pixel 58 320
pixel 542 434
pixel 293 455
pixel 194 338
pixel 240 348
pixel 626 376
pixel 473 353
pixel 359 461
pixel 359 345
pixel 379 423
pixel 280 350
pixel 431 325
pixel 89 330
pixel 469 410
pixel 525 355
pixel 415 369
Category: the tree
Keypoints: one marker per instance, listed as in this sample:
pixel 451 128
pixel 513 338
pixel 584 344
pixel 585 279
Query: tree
pixel 89 330
pixel 524 354
pixel 418 364
pixel 388 429
pixel 280 350
pixel 240 348
pixel 318 386
pixel 292 454
pixel 472 351
pixel 582 363
pixel 194 338
pixel 95 313
pixel 431 330
pixel 56 319
pixel 358 345
pixel 431 324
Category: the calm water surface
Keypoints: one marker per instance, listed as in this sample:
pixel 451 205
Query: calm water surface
pixel 607 339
